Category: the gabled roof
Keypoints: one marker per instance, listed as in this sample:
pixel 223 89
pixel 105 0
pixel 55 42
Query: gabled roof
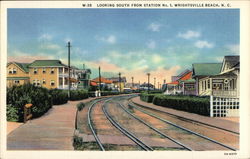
pixel 22 66
pixel 41 63
pixel 206 69
pixel 231 61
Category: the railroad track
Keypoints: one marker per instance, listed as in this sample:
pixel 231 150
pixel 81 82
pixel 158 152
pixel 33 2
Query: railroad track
pixel 125 131
pixel 114 123
pixel 156 130
pixel 182 128
pixel 90 124
pixel 186 119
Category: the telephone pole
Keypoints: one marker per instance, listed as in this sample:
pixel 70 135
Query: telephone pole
pixel 132 82
pixel 120 81
pixel 148 81
pixel 99 78
pixel 154 83
pixel 69 68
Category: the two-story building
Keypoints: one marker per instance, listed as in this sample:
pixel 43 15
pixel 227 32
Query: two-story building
pixel 46 73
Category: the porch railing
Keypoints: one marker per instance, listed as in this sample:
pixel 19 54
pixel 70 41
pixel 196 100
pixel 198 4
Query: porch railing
pixel 225 93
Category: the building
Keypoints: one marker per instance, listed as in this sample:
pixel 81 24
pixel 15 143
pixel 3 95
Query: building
pixel 45 73
pixel 181 84
pixel 201 71
pixel 226 83
pixel 17 74
pixel 117 83
pixel 83 76
pixel 104 82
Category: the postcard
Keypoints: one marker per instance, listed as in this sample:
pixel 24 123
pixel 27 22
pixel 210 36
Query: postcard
pixel 113 79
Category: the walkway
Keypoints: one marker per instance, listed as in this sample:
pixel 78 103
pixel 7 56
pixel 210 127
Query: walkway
pixel 219 122
pixel 53 131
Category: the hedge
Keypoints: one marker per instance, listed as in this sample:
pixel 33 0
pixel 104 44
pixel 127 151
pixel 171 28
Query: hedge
pixel 192 104
pixel 78 94
pixel 80 106
pixel 59 96
pixel 18 96
pixel 147 97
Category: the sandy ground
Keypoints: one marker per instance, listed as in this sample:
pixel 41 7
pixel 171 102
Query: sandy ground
pixel 11 126
pixel 234 119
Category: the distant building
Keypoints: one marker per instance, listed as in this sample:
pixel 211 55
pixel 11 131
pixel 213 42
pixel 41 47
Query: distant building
pixel 118 82
pixel 44 73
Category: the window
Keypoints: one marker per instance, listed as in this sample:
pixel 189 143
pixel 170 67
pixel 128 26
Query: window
pixel 35 70
pixel 38 83
pixel 14 70
pixel 16 81
pixel 52 82
pixel 44 70
pixel 44 82
pixel 208 84
pixel 10 71
pixel 52 71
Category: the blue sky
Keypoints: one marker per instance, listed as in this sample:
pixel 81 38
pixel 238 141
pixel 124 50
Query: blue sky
pixel 132 41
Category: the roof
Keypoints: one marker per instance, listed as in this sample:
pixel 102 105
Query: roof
pixel 231 62
pixel 103 80
pixel 40 63
pixel 174 83
pixel 23 66
pixel 206 69
pixel 189 81
pixel 93 83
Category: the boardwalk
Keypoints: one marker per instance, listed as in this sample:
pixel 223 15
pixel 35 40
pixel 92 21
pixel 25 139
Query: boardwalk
pixel 52 131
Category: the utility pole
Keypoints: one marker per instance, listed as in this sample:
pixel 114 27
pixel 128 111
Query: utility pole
pixel 69 68
pixel 100 79
pixel 154 83
pixel 132 82
pixel 120 81
pixel 158 85
pixel 148 81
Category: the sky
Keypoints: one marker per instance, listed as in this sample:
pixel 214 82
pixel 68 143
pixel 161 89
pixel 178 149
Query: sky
pixel 162 42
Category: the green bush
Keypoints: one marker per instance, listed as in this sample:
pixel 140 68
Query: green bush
pixel 108 93
pixel 78 94
pixel 193 104
pixel 18 96
pixel 59 96
pixel 12 113
pixel 80 106
pixel 147 97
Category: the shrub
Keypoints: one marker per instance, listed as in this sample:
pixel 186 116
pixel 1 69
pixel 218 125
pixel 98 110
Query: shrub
pixel 59 96
pixel 80 106
pixel 78 94
pixel 193 104
pixel 12 113
pixel 108 93
pixel 147 97
pixel 18 96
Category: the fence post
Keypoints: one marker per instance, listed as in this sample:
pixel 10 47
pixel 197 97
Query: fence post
pixel 211 106
pixel 27 112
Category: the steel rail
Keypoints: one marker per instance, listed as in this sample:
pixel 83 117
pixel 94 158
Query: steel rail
pixel 185 129
pixel 126 132
pixel 155 129
pixel 91 126
pixel 186 119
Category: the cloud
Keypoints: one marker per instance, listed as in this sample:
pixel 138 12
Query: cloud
pixel 46 37
pixel 151 44
pixel 189 34
pixel 155 27
pixel 233 48
pixel 111 39
pixel 157 59
pixel 203 44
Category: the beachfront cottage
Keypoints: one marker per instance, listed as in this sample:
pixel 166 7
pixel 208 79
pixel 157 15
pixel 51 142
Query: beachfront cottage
pixel 201 71
pixel 226 82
